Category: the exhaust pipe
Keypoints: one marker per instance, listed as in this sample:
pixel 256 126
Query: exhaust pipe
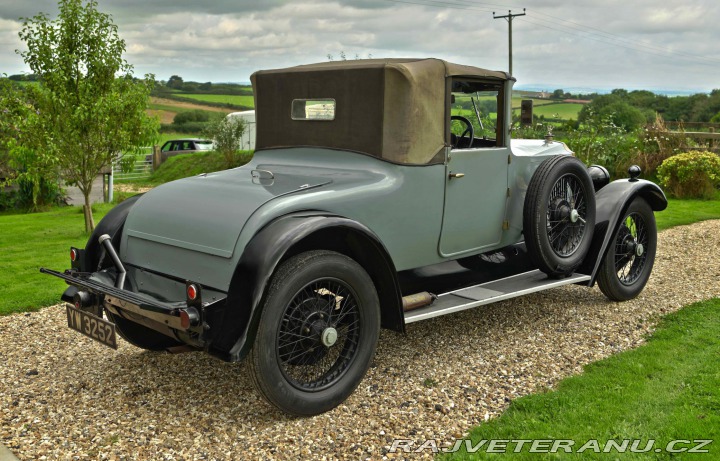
pixel 417 300
pixel 106 241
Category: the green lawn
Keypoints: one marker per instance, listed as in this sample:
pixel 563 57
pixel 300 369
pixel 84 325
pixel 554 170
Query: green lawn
pixel 237 100
pixel 186 165
pixel 30 241
pixel 668 389
pixel 681 212
pixel 555 110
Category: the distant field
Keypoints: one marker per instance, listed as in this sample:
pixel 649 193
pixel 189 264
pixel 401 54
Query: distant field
pixel 564 111
pixel 166 109
pixel 238 100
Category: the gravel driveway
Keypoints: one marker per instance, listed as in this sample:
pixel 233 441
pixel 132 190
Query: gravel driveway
pixel 62 396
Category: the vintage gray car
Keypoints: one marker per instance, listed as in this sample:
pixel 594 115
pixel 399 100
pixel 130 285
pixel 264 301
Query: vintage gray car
pixel 382 192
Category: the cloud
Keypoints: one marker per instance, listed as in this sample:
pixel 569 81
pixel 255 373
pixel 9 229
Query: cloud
pixel 609 43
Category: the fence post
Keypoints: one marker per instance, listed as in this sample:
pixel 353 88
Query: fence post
pixel 712 141
pixel 156 158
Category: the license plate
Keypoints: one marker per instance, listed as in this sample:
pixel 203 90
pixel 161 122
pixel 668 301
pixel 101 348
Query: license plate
pixel 92 326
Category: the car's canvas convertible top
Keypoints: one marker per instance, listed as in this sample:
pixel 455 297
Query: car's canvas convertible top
pixel 394 109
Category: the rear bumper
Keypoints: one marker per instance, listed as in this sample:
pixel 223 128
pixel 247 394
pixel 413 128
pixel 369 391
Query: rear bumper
pixel 116 299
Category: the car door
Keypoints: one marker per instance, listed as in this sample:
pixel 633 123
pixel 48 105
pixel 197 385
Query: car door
pixel 475 199
pixel 476 180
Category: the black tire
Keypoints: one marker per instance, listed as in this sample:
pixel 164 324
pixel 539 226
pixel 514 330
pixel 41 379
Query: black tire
pixel 631 254
pixel 295 363
pixel 559 215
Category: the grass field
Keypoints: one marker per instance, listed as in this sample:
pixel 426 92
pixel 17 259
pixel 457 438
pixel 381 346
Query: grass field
pixel 554 110
pixel 681 212
pixel 238 100
pixel 563 110
pixel 30 241
pixel 668 389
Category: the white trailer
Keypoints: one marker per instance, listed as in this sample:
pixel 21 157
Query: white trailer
pixel 248 137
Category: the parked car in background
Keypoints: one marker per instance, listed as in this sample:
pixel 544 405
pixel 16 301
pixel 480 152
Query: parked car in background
pixel 185 146
pixel 175 147
pixel 382 192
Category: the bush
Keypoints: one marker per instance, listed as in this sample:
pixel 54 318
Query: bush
pixel 599 141
pixel 693 174
pixel 193 128
pixel 658 143
pixel 195 115
pixel 227 134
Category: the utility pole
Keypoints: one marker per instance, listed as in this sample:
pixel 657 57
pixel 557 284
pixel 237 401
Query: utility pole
pixel 509 17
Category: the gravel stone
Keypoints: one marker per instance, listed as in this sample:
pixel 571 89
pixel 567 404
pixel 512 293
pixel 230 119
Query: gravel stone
pixel 63 396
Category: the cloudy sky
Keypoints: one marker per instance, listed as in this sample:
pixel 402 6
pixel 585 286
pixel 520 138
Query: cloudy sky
pixel 674 44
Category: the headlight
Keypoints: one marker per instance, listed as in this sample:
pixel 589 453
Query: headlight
pixel 600 176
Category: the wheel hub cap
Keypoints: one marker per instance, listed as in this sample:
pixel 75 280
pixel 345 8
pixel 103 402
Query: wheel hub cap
pixel 639 249
pixel 574 215
pixel 329 336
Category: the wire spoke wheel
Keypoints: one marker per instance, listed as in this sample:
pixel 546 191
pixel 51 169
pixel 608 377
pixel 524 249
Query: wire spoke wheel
pixel 626 267
pixel 319 334
pixel 566 215
pixel 630 245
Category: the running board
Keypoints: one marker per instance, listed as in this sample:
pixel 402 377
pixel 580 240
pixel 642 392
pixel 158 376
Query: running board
pixel 490 292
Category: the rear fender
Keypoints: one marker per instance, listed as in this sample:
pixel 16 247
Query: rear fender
pixel 112 225
pixel 611 203
pixel 283 238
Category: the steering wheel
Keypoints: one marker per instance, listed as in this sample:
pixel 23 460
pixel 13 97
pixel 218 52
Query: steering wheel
pixel 469 129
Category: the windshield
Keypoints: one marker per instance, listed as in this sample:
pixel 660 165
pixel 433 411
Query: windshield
pixel 474 109
pixel 480 108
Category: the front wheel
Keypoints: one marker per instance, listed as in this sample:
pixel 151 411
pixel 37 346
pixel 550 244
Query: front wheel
pixel 317 334
pixel 631 254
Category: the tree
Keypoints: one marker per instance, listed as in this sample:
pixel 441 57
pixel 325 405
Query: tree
pixel 175 82
pixel 227 134
pixel 89 108
pixel 558 94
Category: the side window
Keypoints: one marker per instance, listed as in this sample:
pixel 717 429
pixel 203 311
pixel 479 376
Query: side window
pixel 313 109
pixel 476 113
pixel 166 147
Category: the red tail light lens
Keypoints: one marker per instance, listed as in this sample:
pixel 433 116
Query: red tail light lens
pixel 73 254
pixel 192 292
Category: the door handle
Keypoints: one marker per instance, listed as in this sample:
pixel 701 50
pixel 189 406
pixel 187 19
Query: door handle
pixel 456 175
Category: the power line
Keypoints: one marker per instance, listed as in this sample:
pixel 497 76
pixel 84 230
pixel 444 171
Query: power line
pixel 574 28
pixel 509 18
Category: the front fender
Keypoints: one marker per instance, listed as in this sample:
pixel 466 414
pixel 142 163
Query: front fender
pixel 611 203
pixel 282 238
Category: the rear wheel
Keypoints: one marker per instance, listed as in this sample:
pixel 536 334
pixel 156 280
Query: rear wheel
pixel 631 254
pixel 559 215
pixel 317 334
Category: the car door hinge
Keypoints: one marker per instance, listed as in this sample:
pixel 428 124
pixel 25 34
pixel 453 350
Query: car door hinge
pixel 509 159
pixel 508 192
pixel 506 225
